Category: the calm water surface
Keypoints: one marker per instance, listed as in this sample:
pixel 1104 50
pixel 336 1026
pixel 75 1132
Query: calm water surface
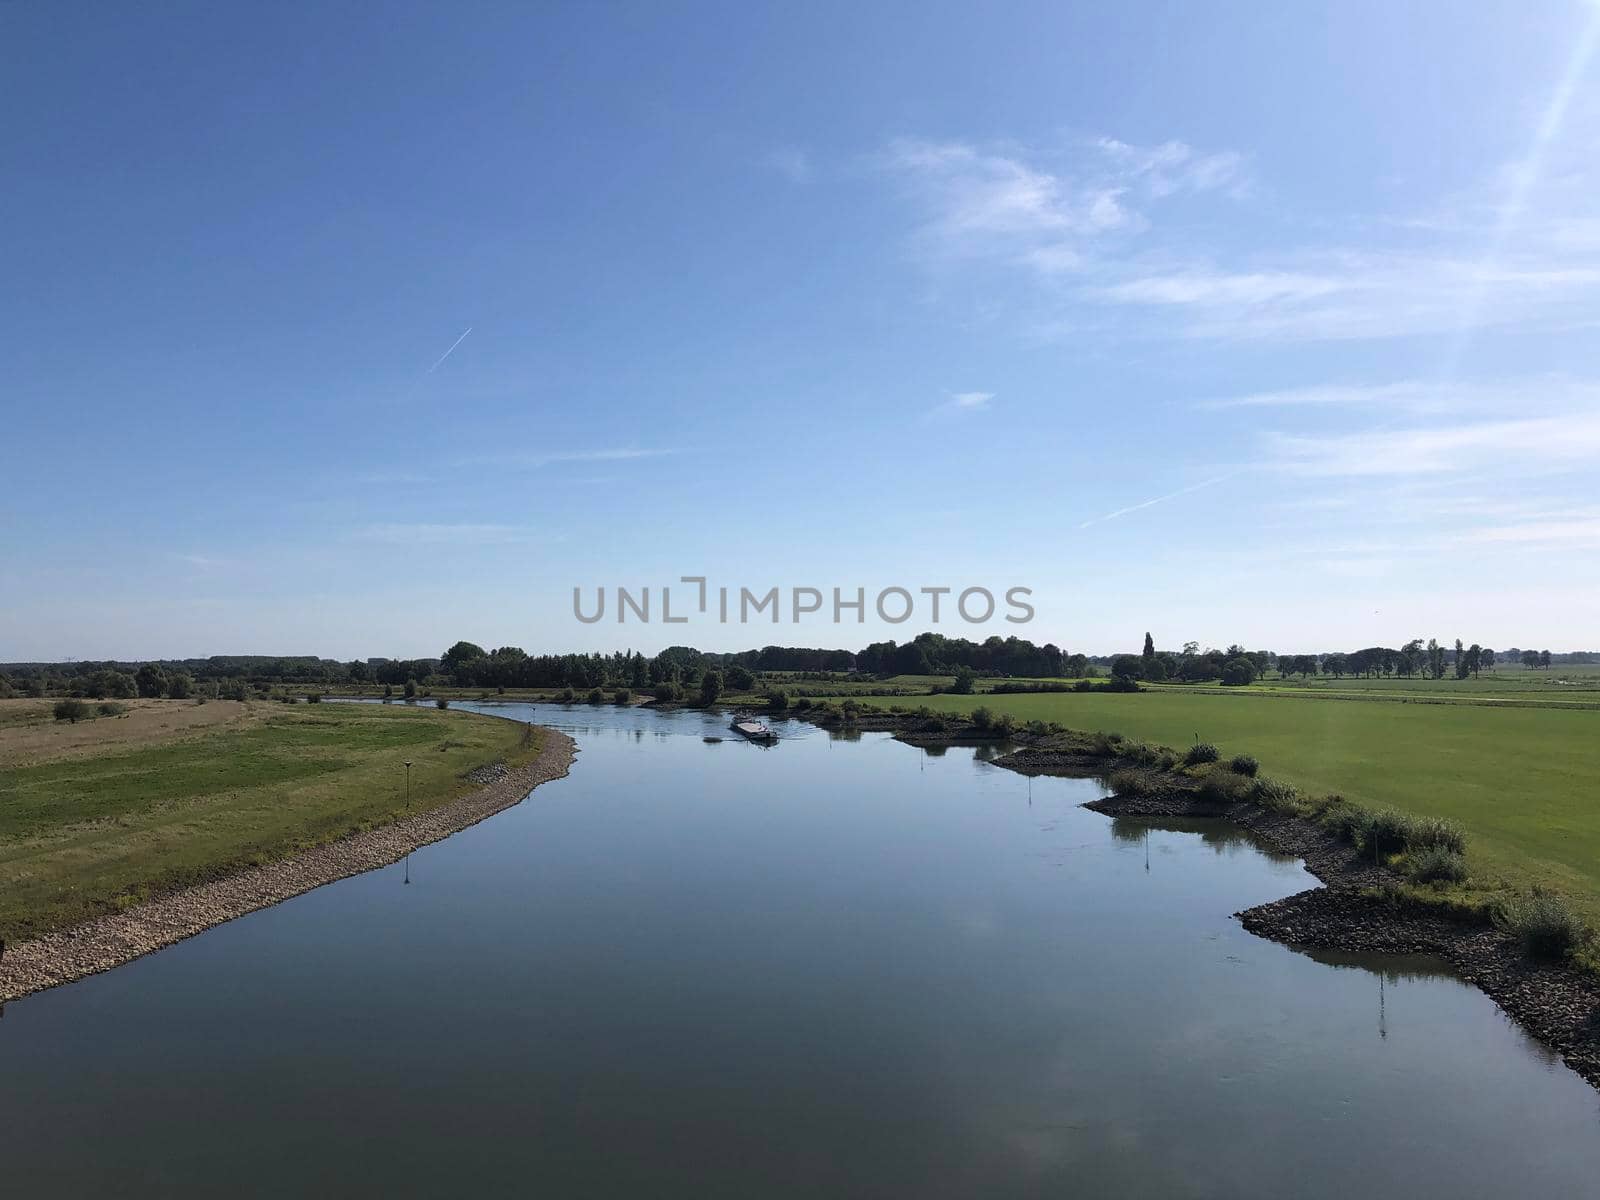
pixel 841 968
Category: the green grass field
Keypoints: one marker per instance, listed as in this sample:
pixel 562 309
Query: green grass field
pixel 85 834
pixel 1524 783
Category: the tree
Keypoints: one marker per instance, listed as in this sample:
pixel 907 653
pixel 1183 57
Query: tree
pixel 1475 658
pixel 1126 666
pixel 358 671
pixel 1149 647
pixel 411 689
pixel 1462 667
pixel 1435 659
pixel 740 679
pixel 1544 659
pixel 151 681
pixel 1238 671
pixel 710 687
pixel 461 659
pixel 180 685
pixel 1530 659
pixel 965 677
pixel 1486 659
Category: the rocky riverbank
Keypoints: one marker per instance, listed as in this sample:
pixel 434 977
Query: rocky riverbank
pixel 1357 910
pixel 1354 911
pixel 110 941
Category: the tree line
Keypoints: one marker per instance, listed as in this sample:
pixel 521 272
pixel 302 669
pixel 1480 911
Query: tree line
pixel 466 664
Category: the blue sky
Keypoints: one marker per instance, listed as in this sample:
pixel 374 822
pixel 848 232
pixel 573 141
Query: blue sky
pixel 1234 322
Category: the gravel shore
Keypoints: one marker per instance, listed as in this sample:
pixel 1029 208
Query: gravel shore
pixel 1554 1003
pixel 1557 1004
pixel 110 941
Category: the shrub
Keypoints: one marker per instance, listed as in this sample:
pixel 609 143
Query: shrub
pixel 1388 833
pixel 1432 832
pixel 1004 724
pixel 388 689
pixel 566 696
pixel 1083 685
pixel 622 696
pixel 1201 752
pixel 110 708
pixel 1270 793
pixel 1244 764
pixel 441 702
pixel 965 680
pixel 71 709
pixel 1544 925
pixel 180 685
pixel 1224 787
pixel 411 689
pixel 802 704
pixel 1436 864
pixel 982 718
pixel 665 692
pixel 1348 822
pixel 313 697
pixel 740 679
pixel 596 696
pixel 1129 783
pixel 777 699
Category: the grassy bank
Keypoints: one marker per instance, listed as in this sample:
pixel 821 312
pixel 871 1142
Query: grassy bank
pixel 93 828
pixel 1520 782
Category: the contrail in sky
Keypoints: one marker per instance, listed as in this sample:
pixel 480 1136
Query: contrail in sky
pixel 449 352
pixel 1133 508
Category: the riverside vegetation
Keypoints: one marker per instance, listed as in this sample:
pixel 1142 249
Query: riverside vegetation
pixel 101 816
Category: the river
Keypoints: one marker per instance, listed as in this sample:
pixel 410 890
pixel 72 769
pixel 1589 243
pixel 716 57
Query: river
pixel 832 967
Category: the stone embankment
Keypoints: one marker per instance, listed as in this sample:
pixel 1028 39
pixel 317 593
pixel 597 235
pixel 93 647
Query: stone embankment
pixel 110 941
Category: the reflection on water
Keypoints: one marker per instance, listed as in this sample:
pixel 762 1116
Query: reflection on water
pixel 838 967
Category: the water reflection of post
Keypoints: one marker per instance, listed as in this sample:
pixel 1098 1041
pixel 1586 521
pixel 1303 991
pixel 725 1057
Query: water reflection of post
pixel 1147 849
pixel 1383 1024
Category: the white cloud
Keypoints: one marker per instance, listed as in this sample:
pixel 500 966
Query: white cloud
pixel 964 402
pixel 1536 393
pixel 1521 251
pixel 1344 294
pixel 1575 531
pixel 1045 211
pixel 1541 443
